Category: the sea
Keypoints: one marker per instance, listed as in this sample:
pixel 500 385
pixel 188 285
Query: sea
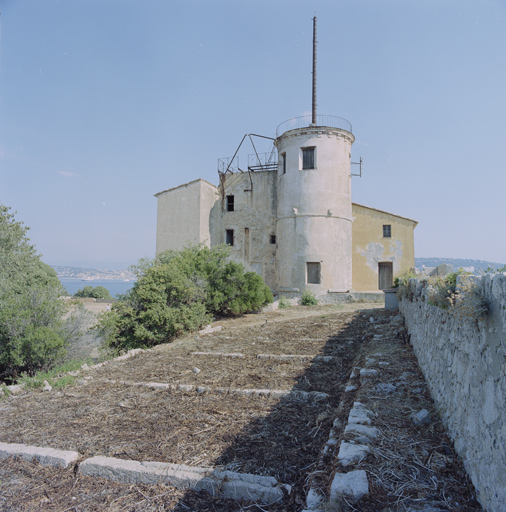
pixel 115 287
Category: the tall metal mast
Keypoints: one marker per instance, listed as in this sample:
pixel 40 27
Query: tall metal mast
pixel 314 72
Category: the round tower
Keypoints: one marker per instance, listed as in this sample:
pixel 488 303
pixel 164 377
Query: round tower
pixel 313 229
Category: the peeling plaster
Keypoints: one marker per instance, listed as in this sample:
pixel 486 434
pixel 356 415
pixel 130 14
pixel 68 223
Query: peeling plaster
pixel 396 254
pixel 374 253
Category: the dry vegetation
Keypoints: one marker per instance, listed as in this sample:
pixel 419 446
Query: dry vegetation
pixel 261 435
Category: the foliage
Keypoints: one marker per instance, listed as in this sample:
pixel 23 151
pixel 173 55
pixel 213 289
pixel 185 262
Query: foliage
pixel 462 300
pixel 57 377
pixel 33 333
pixel 283 302
pixel 401 283
pixel 178 292
pixel 441 291
pixel 492 270
pixel 308 298
pixel 98 292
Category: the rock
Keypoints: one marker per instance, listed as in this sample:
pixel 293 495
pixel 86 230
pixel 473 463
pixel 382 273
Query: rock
pixel 15 388
pixel 366 372
pixel 357 428
pixel 353 485
pixel 384 389
pixel 350 453
pixel 359 415
pixel 196 370
pixel 421 418
pixel 350 388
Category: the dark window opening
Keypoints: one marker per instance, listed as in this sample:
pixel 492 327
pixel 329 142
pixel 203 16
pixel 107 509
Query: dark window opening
pixel 229 239
pixel 313 273
pixel 387 231
pixel 273 239
pixel 230 203
pixel 283 163
pixel 308 160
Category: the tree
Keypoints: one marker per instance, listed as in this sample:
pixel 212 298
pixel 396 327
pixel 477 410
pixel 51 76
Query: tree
pixel 179 291
pixel 98 292
pixel 32 332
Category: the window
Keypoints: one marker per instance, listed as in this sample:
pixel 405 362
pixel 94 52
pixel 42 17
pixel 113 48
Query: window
pixel 229 238
pixel 230 203
pixel 308 160
pixel 283 163
pixel 313 273
pixel 273 239
pixel 387 231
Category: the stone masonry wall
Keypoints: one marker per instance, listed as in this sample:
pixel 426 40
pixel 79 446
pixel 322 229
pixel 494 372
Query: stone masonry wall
pixel 464 362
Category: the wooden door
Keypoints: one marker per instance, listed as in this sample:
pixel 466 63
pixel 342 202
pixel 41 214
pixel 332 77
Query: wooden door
pixel 385 275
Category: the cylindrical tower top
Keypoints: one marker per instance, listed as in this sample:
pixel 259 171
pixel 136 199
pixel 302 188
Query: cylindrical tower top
pixel 306 121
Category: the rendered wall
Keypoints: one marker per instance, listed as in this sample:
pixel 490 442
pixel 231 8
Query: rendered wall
pixel 314 210
pixel 371 248
pixel 183 215
pixel 253 221
pixel 464 363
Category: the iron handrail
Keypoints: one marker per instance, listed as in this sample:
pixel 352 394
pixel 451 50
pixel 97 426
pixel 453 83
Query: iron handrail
pixel 306 121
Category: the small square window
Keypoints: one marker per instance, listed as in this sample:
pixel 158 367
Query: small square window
pixel 387 231
pixel 283 163
pixel 308 158
pixel 230 203
pixel 273 239
pixel 313 273
pixel 229 238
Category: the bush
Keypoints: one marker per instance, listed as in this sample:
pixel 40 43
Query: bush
pixel 99 292
pixel 179 292
pixel 308 299
pixel 33 334
pixel 283 302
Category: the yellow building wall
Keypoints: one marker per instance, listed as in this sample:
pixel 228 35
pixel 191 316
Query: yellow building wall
pixel 369 247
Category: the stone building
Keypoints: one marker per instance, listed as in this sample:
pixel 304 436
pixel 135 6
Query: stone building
pixel 292 220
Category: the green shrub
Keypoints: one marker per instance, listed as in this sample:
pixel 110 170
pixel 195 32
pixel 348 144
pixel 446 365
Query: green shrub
pixel 283 302
pixel 308 298
pixel 179 292
pixel 97 292
pixel 33 334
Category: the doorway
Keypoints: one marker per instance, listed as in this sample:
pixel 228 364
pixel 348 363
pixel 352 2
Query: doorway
pixel 385 275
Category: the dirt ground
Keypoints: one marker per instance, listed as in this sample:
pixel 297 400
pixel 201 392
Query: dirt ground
pixel 108 414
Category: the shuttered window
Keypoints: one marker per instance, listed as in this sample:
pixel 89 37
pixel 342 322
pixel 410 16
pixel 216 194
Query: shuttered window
pixel 313 273
pixel 308 160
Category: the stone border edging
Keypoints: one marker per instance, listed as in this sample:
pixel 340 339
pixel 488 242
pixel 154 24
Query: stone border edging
pixel 46 456
pixel 227 484
pixel 188 388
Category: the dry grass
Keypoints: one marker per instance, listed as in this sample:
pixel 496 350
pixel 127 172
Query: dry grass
pixel 277 437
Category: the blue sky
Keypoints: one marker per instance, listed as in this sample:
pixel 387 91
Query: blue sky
pixel 103 103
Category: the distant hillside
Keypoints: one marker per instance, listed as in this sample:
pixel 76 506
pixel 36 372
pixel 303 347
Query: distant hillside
pixel 457 263
pixel 91 273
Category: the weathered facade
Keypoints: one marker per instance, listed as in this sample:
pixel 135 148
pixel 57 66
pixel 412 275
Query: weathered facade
pixel 295 225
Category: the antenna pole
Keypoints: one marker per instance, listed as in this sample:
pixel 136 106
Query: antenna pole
pixel 314 72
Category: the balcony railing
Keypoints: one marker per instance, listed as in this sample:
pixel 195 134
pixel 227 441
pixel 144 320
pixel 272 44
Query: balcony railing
pixel 306 121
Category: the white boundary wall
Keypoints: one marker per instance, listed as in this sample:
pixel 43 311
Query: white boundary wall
pixel 464 363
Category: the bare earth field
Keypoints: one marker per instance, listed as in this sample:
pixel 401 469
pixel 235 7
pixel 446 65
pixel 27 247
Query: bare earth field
pixel 214 423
